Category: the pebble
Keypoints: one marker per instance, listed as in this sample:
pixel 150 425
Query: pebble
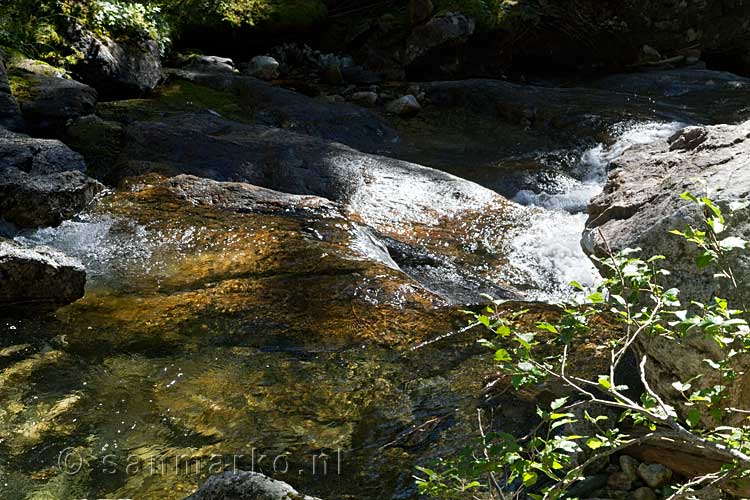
pixel 655 475
pixel 629 466
pixel 405 105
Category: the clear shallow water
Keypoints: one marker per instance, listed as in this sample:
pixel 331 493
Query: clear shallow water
pixel 208 335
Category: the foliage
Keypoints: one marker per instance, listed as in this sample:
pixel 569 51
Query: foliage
pixel 491 14
pixel 242 13
pixel 547 461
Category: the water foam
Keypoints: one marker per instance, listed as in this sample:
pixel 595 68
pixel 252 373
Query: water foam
pixel 547 253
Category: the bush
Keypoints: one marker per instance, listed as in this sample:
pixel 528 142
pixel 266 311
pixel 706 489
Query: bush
pixel 545 463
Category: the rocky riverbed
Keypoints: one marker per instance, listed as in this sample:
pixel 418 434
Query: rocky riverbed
pixel 277 269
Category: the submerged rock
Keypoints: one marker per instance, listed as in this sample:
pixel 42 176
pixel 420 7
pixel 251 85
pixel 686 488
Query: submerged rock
pixel 241 485
pixel 38 276
pixel 41 181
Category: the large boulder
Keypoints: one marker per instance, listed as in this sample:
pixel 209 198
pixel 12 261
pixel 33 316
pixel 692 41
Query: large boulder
pixel 10 113
pixel 641 203
pixel 37 277
pixel 41 181
pixel 639 206
pixel 241 485
pixel 47 101
pixel 278 107
pixel 131 68
pixel 430 219
pixel 441 30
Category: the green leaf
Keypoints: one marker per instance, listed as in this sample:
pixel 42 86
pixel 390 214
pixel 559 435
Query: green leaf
pixel 681 387
pixel 594 443
pixel 549 327
pixel 502 356
pixel 596 298
pixel 705 258
pixel 604 381
pixel 530 478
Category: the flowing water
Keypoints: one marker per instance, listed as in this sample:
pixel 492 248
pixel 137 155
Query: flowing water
pixel 207 340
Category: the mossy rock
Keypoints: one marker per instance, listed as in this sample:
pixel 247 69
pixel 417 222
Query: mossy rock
pixel 179 97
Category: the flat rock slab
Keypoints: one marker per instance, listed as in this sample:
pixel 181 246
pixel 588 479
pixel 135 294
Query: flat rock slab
pixel 38 276
pixel 278 107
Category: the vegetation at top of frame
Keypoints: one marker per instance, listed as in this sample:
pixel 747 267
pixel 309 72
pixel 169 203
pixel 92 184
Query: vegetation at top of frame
pixel 545 463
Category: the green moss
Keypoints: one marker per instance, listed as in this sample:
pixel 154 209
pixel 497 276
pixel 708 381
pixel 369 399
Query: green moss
pixel 21 88
pixel 180 97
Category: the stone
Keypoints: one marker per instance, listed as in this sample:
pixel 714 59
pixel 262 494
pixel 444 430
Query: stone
pixel 10 112
pixel 47 102
pixel 41 181
pixel 640 204
pixel 638 207
pixel 405 105
pixel 643 493
pixel 263 67
pixel 629 466
pixel 650 53
pixel 619 481
pixel 395 199
pixel 38 277
pixel 587 486
pixel 241 485
pixel 655 475
pixel 365 98
pixel 117 68
pixel 209 63
pixel 441 30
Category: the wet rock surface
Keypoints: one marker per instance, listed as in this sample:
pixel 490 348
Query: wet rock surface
pixel 38 278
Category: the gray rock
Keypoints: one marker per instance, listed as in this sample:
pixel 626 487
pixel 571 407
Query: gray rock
pixel 49 101
pixel 120 69
pixel 629 466
pixel 448 28
pixel 365 98
pixel 38 276
pixel 41 181
pixel 209 63
pixel 643 493
pixel 263 67
pixel 10 113
pixel 405 105
pixel 619 481
pixel 242 485
pixel 655 475
pixel 278 107
pixel 640 204
pixel 394 198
